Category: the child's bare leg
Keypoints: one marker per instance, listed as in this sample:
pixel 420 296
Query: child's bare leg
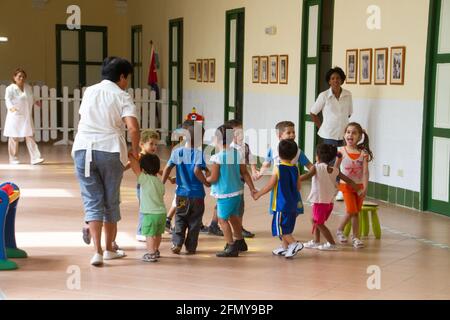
pixel 156 243
pixel 110 235
pixel 355 225
pixel 95 228
pixel 226 229
pixel 151 244
pixel 344 222
pixel 288 239
pixel 171 212
pixel 317 235
pixel 237 227
pixel 214 218
pixel 326 233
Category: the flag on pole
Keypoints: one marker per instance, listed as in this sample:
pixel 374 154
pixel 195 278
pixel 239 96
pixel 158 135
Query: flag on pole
pixel 152 72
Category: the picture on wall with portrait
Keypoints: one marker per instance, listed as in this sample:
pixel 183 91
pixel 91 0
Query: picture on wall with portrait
pixel 351 66
pixel 381 65
pixel 205 70
pixel 255 69
pixel 398 65
pixel 365 63
pixel 273 63
pixel 192 69
pixel 284 63
pixel 199 70
pixel 264 69
pixel 212 70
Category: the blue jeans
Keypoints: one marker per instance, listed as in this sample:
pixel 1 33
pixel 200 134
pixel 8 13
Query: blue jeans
pixel 100 192
pixel 336 143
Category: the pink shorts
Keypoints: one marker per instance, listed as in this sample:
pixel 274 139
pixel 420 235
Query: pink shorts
pixel 321 213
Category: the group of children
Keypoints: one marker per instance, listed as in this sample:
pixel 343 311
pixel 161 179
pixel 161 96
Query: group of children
pixel 346 167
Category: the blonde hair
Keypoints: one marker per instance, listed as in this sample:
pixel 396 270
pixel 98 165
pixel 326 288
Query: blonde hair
pixel 148 134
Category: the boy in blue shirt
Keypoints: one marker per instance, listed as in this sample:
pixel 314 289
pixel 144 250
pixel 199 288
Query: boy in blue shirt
pixel 190 194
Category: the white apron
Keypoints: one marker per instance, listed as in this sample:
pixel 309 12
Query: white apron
pixel 19 123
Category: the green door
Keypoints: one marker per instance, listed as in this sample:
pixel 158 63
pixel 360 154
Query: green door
pixel 175 73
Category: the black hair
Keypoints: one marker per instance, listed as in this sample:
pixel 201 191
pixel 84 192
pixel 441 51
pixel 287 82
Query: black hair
pixel 287 149
pixel 150 163
pixel 326 153
pixel 189 125
pixel 234 123
pixel 225 133
pixel 337 70
pixel 113 67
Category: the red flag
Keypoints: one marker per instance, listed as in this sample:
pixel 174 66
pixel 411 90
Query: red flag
pixel 152 76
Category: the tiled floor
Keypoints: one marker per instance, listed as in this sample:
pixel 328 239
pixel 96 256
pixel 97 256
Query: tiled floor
pixel 412 257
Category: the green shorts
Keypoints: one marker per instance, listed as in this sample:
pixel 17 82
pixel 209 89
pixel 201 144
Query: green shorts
pixel 153 224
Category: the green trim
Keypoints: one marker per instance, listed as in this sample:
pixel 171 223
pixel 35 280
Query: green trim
pixel 179 65
pixel 394 195
pixel 136 64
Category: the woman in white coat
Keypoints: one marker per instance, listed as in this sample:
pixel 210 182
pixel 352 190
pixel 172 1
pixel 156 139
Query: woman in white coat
pixel 19 123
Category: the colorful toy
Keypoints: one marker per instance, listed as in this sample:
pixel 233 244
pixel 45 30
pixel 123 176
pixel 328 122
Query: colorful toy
pixel 9 198
pixel 368 207
pixel 194 116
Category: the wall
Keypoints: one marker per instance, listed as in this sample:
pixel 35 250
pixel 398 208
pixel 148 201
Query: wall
pixel 392 114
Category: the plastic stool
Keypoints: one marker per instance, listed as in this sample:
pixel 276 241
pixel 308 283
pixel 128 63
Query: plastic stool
pixel 368 207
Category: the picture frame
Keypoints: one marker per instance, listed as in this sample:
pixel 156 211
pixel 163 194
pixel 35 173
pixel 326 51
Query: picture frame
pixel 365 66
pixel 255 69
pixel 192 70
pixel 381 66
pixel 273 69
pixel 264 69
pixel 397 74
pixel 351 66
pixel 199 70
pixel 212 70
pixel 205 70
pixel 283 68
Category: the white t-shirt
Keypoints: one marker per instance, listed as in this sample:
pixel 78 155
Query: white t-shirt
pixel 324 185
pixel 335 113
pixel 101 125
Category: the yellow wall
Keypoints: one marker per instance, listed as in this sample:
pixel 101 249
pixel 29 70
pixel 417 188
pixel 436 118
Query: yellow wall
pixel 32 39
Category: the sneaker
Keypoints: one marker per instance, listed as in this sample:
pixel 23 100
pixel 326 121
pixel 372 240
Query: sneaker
pixel 141 238
pixel 168 225
pixel 279 251
pixel 175 249
pixel 293 249
pixel 157 254
pixel 110 255
pixel 14 162
pixel 247 234
pixel 97 260
pixel 328 247
pixel 37 161
pixel 357 243
pixel 204 229
pixel 115 246
pixel 149 257
pixel 86 235
pixel 311 244
pixel 341 237
pixel 339 196
pixel 230 250
pixel 214 230
pixel 241 245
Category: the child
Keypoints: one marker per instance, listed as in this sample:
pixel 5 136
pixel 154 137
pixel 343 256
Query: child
pixel 354 164
pixel 151 202
pixel 323 190
pixel 190 194
pixel 285 197
pixel 227 187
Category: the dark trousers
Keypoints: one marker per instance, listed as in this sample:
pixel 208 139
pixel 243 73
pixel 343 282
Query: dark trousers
pixel 188 215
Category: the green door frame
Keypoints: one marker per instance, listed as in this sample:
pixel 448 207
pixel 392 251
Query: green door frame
pixel 82 63
pixel 239 15
pixel 134 63
pixel 433 58
pixel 179 65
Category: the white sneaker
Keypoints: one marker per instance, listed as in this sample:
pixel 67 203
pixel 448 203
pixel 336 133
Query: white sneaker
pixel 110 255
pixel 141 238
pixel 341 237
pixel 14 162
pixel 339 196
pixel 97 260
pixel 328 247
pixel 311 244
pixel 279 251
pixel 293 249
pixel 37 161
pixel 357 243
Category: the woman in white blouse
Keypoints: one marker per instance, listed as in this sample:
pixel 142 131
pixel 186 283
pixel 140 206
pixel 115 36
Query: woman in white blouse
pixel 19 123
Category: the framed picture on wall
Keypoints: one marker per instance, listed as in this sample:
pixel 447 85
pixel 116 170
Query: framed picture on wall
pixel 255 69
pixel 192 69
pixel 264 69
pixel 199 70
pixel 398 65
pixel 351 65
pixel 365 66
pixel 284 64
pixel 212 70
pixel 205 70
pixel 273 65
pixel 381 65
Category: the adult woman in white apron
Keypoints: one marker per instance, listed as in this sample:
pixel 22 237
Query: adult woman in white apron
pixel 19 123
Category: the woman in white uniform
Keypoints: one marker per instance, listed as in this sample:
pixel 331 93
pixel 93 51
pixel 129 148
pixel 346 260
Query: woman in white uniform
pixel 19 123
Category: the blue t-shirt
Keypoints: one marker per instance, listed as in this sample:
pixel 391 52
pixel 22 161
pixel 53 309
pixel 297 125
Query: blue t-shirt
pixel 285 196
pixel 185 160
pixel 272 155
pixel 229 183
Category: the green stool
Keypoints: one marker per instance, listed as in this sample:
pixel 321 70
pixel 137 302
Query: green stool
pixel 368 207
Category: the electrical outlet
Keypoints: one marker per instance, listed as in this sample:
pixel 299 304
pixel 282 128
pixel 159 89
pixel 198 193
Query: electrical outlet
pixel 400 173
pixel 386 170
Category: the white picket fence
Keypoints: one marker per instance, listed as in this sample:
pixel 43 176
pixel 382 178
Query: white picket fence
pixel 45 117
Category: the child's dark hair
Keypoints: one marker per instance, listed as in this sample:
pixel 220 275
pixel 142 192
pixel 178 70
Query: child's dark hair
pixel 338 71
pixel 113 67
pixel 225 134
pixel 189 125
pixel 150 163
pixel 326 152
pixel 287 149
pixel 283 125
pixel 364 145
pixel 234 123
